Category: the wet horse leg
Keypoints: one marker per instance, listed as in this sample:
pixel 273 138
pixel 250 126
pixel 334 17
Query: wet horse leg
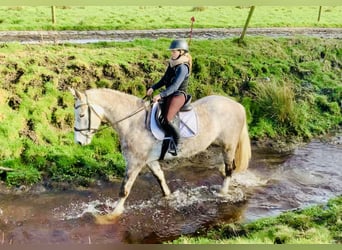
pixel 228 159
pixel 126 186
pixel 159 174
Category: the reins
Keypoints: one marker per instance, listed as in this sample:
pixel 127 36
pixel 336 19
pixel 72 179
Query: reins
pixel 133 113
pixel 130 115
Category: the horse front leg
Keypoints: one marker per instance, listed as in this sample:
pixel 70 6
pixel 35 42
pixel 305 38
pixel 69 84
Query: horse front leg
pixel 126 186
pixel 159 174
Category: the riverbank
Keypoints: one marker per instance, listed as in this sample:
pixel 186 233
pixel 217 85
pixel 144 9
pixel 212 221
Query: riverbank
pixel 315 225
pixel 290 88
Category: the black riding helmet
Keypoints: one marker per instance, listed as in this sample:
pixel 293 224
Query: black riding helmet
pixel 179 45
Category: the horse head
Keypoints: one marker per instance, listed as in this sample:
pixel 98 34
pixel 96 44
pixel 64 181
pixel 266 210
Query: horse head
pixel 88 117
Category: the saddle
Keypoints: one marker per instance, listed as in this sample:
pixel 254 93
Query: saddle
pixel 185 108
pixel 186 120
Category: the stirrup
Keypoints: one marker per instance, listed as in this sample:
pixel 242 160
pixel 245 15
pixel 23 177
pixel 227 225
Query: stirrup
pixel 168 146
pixel 172 147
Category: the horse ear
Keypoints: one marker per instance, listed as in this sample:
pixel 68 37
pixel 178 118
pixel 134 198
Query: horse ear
pixel 75 93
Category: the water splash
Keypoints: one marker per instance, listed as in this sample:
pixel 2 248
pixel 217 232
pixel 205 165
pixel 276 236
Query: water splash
pixel 248 179
pixel 78 209
pixel 178 200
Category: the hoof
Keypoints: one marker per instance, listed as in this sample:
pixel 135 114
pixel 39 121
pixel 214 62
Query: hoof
pixel 168 197
pixel 223 192
pixel 106 219
pixel 112 217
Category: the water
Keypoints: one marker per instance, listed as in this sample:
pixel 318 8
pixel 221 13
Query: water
pixel 311 175
pixel 274 183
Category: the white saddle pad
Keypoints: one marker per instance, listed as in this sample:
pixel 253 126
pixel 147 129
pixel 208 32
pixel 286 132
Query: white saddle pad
pixel 188 126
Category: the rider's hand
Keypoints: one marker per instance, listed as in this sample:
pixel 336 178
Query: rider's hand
pixel 149 92
pixel 156 98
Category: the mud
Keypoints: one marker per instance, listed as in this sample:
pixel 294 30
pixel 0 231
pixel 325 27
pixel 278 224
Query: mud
pixel 127 35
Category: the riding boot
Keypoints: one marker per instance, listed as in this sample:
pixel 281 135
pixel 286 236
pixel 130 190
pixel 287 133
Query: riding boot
pixel 172 136
pixel 173 131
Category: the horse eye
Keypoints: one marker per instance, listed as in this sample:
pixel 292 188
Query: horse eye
pixel 82 115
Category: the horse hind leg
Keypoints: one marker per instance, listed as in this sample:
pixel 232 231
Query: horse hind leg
pixel 228 159
pixel 159 174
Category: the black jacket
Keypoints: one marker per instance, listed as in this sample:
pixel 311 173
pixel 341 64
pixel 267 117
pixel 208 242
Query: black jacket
pixel 175 79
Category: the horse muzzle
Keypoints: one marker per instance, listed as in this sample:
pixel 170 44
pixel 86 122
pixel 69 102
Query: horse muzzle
pixel 82 139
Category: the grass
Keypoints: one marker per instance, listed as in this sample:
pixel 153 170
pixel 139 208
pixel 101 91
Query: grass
pixel 160 17
pixel 281 89
pixel 321 224
pixel 291 88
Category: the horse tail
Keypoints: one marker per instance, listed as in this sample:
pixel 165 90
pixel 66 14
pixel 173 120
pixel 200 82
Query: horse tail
pixel 243 151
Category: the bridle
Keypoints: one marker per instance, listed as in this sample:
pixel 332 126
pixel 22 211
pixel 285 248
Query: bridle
pixel 90 108
pixel 89 128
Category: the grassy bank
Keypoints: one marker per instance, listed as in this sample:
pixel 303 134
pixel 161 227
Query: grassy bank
pixel 156 17
pixel 320 224
pixel 291 89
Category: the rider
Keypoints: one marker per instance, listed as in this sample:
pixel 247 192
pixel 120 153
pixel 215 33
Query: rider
pixel 175 79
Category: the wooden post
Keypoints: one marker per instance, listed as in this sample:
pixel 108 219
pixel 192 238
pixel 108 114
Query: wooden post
pixel 246 24
pixel 53 13
pixel 319 13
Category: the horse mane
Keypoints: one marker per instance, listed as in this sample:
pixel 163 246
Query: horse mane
pixel 111 96
pixel 111 92
pixel 116 104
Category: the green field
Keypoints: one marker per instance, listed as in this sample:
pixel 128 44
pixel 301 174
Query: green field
pixel 162 17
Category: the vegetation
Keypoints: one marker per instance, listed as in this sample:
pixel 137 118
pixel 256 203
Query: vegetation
pixel 291 88
pixel 314 225
pixel 156 17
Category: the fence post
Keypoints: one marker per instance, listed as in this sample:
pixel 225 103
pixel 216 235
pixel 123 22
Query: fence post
pixel 319 13
pixel 53 13
pixel 246 24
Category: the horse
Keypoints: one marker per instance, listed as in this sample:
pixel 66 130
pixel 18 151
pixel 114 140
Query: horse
pixel 221 122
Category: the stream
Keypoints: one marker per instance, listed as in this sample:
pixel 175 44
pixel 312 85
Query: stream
pixel 309 175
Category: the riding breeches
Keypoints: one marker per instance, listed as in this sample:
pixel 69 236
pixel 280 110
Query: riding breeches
pixel 172 105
